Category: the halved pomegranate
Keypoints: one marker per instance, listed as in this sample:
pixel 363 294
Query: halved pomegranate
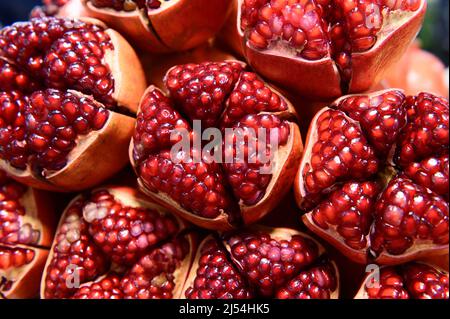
pixel 63 86
pixel 216 194
pixel 375 176
pixel 262 262
pixel 26 229
pixel 324 48
pixel 114 243
pixel 153 25
pixel 407 281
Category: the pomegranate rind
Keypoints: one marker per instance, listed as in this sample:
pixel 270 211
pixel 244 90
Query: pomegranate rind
pixel 127 196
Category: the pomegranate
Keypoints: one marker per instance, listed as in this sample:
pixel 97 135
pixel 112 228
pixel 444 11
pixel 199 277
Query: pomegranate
pixel 114 244
pixel 374 177
pixel 113 233
pixel 323 48
pixel 157 65
pixel 153 25
pixel 26 229
pixel 262 262
pixel 408 281
pixel 417 71
pixel 214 194
pixel 63 89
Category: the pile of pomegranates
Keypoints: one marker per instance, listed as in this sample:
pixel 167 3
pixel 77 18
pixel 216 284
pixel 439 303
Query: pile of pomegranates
pixel 177 171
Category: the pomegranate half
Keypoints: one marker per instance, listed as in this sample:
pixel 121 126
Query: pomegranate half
pixel 67 90
pixel 323 48
pixel 26 229
pixel 374 179
pixel 216 194
pixel 152 25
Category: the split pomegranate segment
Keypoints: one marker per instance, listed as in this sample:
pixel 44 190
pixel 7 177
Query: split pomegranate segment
pixel 240 179
pixel 153 25
pixel 323 48
pixel 113 243
pixel 408 281
pixel 26 229
pixel 262 262
pixel 374 177
pixel 63 84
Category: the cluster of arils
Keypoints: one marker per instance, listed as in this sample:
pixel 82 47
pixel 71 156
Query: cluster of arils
pixel 118 245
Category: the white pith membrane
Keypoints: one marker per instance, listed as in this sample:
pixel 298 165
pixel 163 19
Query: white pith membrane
pixel 393 21
pixel 284 161
pixel 369 280
pixel 127 197
pixel 420 247
pixel 116 125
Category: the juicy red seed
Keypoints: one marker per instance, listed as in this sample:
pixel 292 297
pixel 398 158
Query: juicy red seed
pixel 153 276
pixel 57 47
pixel 74 254
pixel 407 212
pixel 15 257
pixel 382 117
pixel 197 187
pixel 125 233
pixel 349 210
pixel 107 288
pixel 269 263
pixel 247 178
pixel 202 89
pixel 316 283
pixel 216 276
pixel 45 125
pixel 427 132
pixel 341 153
pixel 410 281
pixel 129 5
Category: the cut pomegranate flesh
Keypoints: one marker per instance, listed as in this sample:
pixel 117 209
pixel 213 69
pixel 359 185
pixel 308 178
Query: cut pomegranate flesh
pixel 223 96
pixel 375 176
pixel 262 263
pixel 408 281
pixel 23 237
pixel 114 250
pixel 317 29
